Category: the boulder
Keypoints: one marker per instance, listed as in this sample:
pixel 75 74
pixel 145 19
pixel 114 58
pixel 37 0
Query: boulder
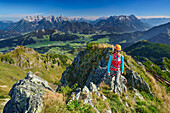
pixel 26 95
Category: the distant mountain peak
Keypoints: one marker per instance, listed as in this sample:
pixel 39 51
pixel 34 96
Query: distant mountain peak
pixel 123 17
pixel 64 18
pixel 122 23
pixel 132 15
pixel 33 18
pixel 79 19
pixel 50 18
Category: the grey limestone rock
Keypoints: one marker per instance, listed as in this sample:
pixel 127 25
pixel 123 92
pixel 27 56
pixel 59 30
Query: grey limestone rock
pixel 88 98
pixel 96 77
pixel 121 87
pixel 104 97
pixel 136 81
pixel 93 87
pixel 86 90
pixel 138 94
pixel 26 95
pixel 108 111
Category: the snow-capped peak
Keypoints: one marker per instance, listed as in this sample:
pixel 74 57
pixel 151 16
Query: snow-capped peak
pixel 50 18
pixel 34 18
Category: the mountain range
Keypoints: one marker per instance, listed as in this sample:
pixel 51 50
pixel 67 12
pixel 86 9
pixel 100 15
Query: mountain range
pixel 51 22
pixel 121 23
pixel 8 34
pixel 127 39
pixel 112 24
pixel 155 21
pixel 162 38
pixel 46 37
pixel 4 24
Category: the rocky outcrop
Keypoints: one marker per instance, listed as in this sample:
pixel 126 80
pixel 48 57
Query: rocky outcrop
pixel 26 95
pixel 136 81
pixel 86 95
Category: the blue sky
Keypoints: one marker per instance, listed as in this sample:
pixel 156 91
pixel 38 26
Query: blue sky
pixel 17 9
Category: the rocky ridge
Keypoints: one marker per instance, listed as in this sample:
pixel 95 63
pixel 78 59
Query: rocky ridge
pixel 97 72
pixel 88 70
pixel 122 23
pixel 50 18
pixel 91 82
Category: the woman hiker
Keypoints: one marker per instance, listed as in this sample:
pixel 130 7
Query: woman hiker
pixel 115 67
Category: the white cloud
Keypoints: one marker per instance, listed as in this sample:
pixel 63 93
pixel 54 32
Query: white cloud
pixel 153 17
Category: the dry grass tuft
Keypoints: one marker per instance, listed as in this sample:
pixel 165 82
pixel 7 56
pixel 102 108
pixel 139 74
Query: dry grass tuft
pixel 102 45
pixel 160 91
pixel 53 102
pixel 50 96
pixel 102 84
pixel 107 105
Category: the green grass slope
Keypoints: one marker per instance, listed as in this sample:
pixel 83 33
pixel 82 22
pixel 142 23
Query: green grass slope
pixel 153 51
pixel 155 57
pixel 9 75
pixel 15 64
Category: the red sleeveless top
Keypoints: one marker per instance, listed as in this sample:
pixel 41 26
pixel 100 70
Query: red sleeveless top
pixel 115 66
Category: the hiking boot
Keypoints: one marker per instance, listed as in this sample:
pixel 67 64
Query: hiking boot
pixel 116 93
pixel 111 90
